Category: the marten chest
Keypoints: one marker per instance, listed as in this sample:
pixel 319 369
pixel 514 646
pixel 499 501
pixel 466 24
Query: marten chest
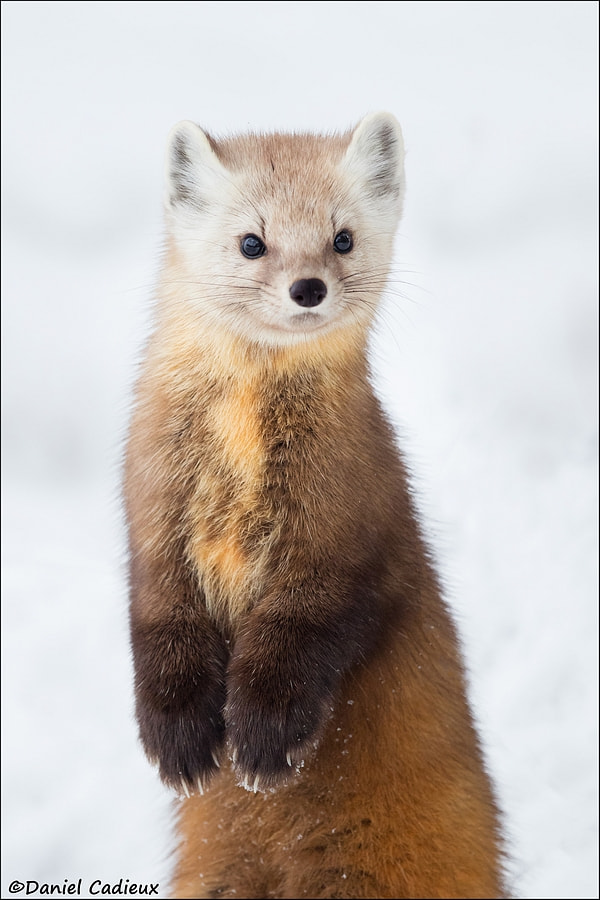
pixel 228 523
pixel 265 481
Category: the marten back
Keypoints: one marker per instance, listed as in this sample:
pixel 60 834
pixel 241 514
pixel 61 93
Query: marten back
pixel 288 632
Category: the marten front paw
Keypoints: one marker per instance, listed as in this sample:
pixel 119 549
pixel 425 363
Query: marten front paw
pixel 274 718
pixel 180 694
pixel 185 743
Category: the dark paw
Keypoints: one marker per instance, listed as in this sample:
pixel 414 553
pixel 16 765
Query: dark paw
pixel 180 695
pixel 185 745
pixel 272 730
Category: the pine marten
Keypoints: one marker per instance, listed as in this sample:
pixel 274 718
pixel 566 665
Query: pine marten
pixel 298 678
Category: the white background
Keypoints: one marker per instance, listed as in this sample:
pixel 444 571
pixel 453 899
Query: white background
pixel 486 359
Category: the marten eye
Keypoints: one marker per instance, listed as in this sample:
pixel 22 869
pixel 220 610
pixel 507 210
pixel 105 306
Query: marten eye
pixel 252 246
pixel 343 242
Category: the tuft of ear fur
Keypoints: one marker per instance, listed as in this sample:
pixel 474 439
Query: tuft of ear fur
pixel 191 167
pixel 375 157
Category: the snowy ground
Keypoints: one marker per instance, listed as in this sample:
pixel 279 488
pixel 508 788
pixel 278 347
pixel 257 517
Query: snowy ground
pixel 488 366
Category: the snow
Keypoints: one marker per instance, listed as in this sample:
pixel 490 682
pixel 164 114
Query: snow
pixel 486 359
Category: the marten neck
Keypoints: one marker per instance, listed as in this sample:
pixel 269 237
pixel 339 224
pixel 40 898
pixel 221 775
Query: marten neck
pixel 188 358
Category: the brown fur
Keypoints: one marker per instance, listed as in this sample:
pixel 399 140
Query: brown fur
pixel 285 616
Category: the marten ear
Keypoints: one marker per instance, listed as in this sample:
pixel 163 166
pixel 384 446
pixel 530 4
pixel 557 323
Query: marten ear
pixel 375 157
pixel 192 166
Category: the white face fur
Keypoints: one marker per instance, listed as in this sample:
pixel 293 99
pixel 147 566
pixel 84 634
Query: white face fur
pixel 277 238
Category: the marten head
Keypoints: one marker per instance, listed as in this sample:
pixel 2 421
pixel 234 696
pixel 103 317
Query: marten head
pixel 280 238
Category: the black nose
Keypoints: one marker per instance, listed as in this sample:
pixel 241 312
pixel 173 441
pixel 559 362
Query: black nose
pixel 308 291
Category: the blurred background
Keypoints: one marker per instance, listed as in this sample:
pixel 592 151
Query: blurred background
pixel 486 358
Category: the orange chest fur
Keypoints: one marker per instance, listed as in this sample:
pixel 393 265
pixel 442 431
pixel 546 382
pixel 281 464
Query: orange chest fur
pixel 224 513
